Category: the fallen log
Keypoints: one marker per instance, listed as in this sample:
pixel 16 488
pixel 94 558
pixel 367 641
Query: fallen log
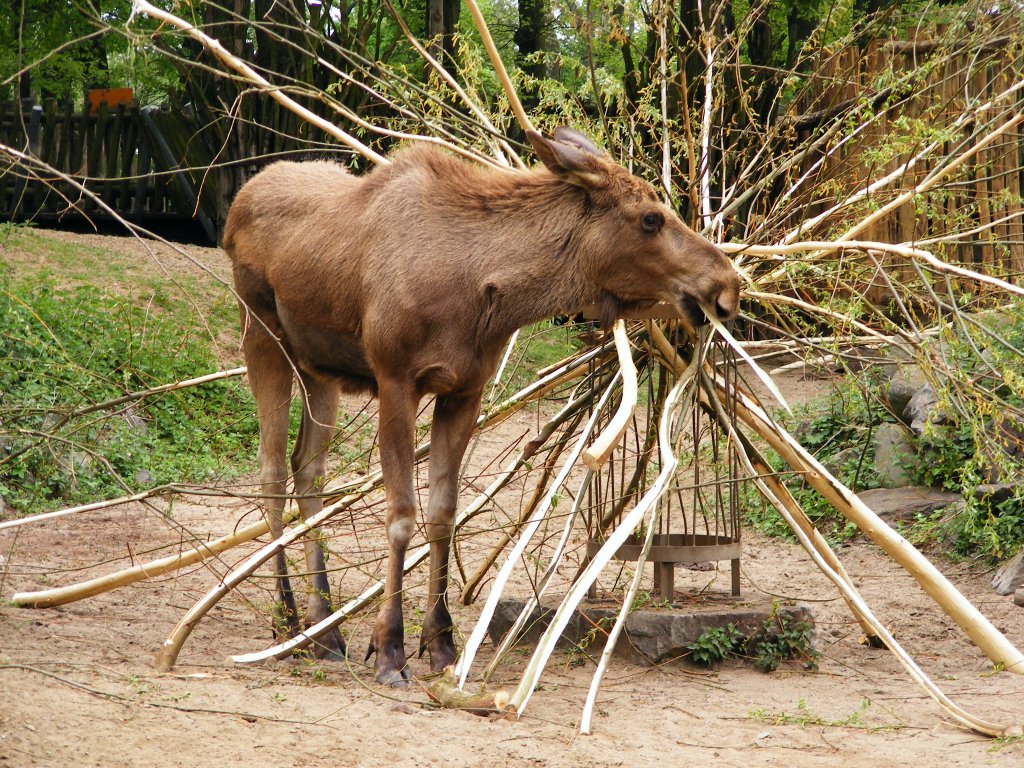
pixel 444 690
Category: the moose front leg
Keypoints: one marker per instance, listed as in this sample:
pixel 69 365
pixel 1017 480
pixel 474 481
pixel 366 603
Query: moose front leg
pixel 396 433
pixel 454 420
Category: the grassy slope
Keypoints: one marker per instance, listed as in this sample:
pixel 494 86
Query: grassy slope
pixel 85 320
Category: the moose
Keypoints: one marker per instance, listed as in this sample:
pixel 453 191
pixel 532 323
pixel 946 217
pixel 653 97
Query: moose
pixel 409 281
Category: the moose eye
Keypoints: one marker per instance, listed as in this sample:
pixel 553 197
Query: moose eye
pixel 652 222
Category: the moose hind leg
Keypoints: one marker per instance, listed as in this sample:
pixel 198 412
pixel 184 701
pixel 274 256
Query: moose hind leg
pixel 270 378
pixel 309 465
pixel 454 420
pixel 396 433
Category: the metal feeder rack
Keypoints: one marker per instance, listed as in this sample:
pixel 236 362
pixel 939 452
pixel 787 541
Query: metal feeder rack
pixel 700 514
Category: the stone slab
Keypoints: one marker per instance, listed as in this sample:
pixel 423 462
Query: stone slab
pixel 651 636
pixel 893 453
pixel 905 504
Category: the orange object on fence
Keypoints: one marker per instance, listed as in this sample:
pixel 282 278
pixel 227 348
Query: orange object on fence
pixel 109 96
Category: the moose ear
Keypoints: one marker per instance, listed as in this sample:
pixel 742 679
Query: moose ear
pixel 566 135
pixel 571 156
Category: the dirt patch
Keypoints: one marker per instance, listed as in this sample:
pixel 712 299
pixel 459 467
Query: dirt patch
pixel 78 687
pixel 135 255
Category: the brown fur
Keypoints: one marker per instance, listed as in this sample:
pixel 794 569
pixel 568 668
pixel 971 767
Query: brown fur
pixel 409 281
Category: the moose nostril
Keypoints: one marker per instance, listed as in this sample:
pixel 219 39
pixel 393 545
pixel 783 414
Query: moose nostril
pixel 727 304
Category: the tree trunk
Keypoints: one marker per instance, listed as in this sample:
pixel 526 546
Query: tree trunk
pixel 442 23
pixel 529 38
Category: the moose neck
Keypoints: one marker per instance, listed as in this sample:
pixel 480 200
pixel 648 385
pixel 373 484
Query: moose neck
pixel 535 272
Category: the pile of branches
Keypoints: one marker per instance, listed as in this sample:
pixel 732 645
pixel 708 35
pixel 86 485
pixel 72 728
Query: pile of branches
pixel 877 210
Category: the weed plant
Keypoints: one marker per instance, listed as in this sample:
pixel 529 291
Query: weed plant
pixel 64 349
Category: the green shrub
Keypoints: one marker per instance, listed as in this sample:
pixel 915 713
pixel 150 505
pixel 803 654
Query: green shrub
pixel 63 349
pixel 977 369
pixel 779 638
pixel 715 644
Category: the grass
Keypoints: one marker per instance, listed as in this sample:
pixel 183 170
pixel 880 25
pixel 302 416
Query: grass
pixel 539 345
pixel 82 325
pixel 804 716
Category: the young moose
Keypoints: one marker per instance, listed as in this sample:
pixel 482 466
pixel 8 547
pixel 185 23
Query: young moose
pixel 409 281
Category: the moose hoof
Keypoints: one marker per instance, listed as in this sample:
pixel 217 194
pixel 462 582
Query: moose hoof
pixel 390 667
pixel 330 648
pixel 439 662
pixel 442 654
pixel 395 678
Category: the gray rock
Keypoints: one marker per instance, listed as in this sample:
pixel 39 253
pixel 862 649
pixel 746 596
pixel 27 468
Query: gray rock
pixel 144 478
pixel 1010 576
pixel 893 453
pixel 52 419
pixel 1018 597
pixel 81 460
pixel 905 504
pixel 994 492
pixel 651 636
pixel 904 383
pixel 839 459
pixel 923 410
pixel 135 422
pixel 1003 452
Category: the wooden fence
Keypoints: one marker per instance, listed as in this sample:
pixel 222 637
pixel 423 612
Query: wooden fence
pixel 137 163
pixel 919 89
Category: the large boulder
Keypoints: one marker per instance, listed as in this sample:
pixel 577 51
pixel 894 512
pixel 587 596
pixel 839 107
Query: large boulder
pixel 923 409
pixel 1003 452
pixel 905 381
pixel 893 454
pixel 1010 576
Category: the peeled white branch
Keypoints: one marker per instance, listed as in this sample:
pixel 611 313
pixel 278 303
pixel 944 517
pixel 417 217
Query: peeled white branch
pixel 105 504
pixel 476 637
pixel 206 379
pixel 542 583
pixel 685 376
pixel 168 653
pixel 990 640
pixel 824 247
pixel 579 589
pixel 620 620
pixel 901 171
pixel 758 371
pixel 829 565
pixel 247 72
pixel 48 598
pixel 412 559
pixel 937 175
pixel 598 453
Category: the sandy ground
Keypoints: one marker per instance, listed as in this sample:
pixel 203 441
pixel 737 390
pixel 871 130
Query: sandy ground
pixel 77 685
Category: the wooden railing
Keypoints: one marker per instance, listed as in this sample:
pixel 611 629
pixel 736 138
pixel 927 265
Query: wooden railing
pixel 135 163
